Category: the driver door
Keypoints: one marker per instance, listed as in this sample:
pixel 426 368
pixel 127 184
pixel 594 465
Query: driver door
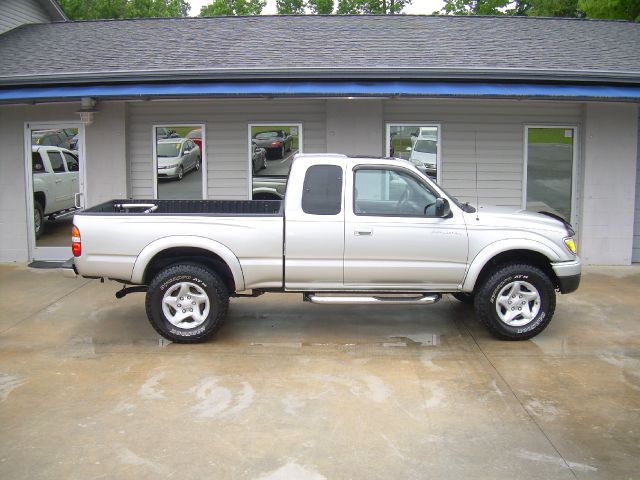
pixel 393 240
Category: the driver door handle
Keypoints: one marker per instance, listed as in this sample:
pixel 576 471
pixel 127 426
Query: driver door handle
pixel 363 232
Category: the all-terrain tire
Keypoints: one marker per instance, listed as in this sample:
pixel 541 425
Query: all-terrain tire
pixel 520 291
pixel 180 289
pixel 38 219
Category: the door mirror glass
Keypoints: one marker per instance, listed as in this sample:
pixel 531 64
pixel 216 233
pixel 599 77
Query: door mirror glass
pixel 179 154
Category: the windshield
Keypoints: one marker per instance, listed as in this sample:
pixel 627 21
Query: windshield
pixel 169 149
pixel 263 135
pixel 195 134
pixel 426 146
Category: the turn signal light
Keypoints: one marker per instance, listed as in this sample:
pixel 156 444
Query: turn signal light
pixel 76 244
pixel 571 245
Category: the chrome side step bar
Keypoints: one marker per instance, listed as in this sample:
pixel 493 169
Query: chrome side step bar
pixel 372 299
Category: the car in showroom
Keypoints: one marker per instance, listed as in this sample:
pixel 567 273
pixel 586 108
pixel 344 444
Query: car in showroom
pixel 55 184
pixel 424 153
pixel 177 156
pixel 275 142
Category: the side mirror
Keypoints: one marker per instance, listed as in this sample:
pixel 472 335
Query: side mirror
pixel 443 210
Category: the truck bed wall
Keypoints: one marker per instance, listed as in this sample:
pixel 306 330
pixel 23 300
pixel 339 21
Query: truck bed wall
pixel 192 207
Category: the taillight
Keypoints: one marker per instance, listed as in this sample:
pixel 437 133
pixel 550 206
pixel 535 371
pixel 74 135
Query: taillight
pixel 76 243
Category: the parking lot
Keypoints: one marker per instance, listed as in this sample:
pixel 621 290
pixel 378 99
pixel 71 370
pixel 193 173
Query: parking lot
pixel 294 390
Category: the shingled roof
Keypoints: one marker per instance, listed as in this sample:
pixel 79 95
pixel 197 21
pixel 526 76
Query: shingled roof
pixel 333 47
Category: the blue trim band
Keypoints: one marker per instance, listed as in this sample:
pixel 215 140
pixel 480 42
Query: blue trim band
pixel 341 89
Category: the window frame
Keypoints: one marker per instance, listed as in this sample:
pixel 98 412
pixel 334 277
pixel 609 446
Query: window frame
pixel 574 168
pixel 203 155
pixel 437 125
pixel 396 169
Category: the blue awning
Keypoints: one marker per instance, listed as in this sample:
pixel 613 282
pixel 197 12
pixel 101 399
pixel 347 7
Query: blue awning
pixel 324 89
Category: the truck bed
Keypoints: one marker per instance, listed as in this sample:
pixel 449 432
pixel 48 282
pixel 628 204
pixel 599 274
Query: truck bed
pixel 234 208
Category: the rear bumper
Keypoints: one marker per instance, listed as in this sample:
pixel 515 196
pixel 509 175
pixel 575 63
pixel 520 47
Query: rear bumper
pixel 568 274
pixel 69 269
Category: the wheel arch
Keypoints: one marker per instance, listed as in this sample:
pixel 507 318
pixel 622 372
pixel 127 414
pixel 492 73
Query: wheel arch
pixel 531 253
pixel 198 250
pixel 41 198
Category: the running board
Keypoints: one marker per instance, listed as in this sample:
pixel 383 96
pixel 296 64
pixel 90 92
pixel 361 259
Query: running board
pixel 371 300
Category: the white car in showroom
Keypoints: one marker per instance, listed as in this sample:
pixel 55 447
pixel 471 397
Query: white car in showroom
pixel 177 156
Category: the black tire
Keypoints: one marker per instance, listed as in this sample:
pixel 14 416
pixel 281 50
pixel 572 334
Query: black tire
pixel 466 298
pixel 180 173
pixel 264 162
pixel 197 167
pixel 494 294
pixel 193 279
pixel 281 153
pixel 38 219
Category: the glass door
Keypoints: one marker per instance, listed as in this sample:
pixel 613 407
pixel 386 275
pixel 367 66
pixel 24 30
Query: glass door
pixel 55 179
pixel 550 154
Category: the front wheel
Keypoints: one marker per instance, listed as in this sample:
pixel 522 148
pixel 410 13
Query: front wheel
pixel 38 219
pixel 180 173
pixel 516 302
pixel 186 303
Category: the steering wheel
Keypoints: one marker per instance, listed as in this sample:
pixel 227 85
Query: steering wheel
pixel 404 198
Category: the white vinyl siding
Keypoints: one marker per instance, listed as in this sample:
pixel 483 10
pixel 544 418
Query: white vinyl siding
pixel 487 135
pixel 19 12
pixel 226 143
pixel 635 254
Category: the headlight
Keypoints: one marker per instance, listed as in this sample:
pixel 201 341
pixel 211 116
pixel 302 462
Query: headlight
pixel 571 245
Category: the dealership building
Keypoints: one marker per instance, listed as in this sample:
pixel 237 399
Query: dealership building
pixel 517 112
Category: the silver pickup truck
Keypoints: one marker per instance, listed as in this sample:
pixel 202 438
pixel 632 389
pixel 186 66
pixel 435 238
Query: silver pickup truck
pixel 349 231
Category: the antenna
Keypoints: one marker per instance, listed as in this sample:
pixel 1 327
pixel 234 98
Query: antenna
pixel 475 158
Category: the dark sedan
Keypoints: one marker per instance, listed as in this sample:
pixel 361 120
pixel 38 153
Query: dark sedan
pixel 275 142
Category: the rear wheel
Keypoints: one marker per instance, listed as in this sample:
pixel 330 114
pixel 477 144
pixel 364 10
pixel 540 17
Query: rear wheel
pixel 186 303
pixel 516 302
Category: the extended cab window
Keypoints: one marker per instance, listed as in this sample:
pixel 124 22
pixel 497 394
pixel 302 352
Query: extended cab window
pixel 322 190
pixel 391 192
pixel 38 166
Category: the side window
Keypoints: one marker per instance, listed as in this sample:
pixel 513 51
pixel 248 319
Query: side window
pixel 390 192
pixel 322 190
pixel 37 165
pixel 56 162
pixel 72 162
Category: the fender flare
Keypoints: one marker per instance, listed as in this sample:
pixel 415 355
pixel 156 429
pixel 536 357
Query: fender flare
pixel 490 251
pixel 186 241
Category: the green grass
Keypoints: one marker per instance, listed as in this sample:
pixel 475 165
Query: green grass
pixel 550 135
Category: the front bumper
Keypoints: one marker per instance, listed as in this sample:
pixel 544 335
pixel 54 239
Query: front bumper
pixel 568 275
pixel 168 172
pixel 69 269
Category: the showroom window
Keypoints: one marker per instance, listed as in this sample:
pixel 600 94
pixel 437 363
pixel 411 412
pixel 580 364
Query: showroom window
pixel 549 170
pixel 418 143
pixel 179 161
pixel 272 147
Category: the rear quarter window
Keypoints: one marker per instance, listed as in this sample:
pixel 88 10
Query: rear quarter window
pixel 322 190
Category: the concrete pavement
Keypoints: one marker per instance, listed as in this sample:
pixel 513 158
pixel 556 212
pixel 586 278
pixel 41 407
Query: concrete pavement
pixel 291 390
